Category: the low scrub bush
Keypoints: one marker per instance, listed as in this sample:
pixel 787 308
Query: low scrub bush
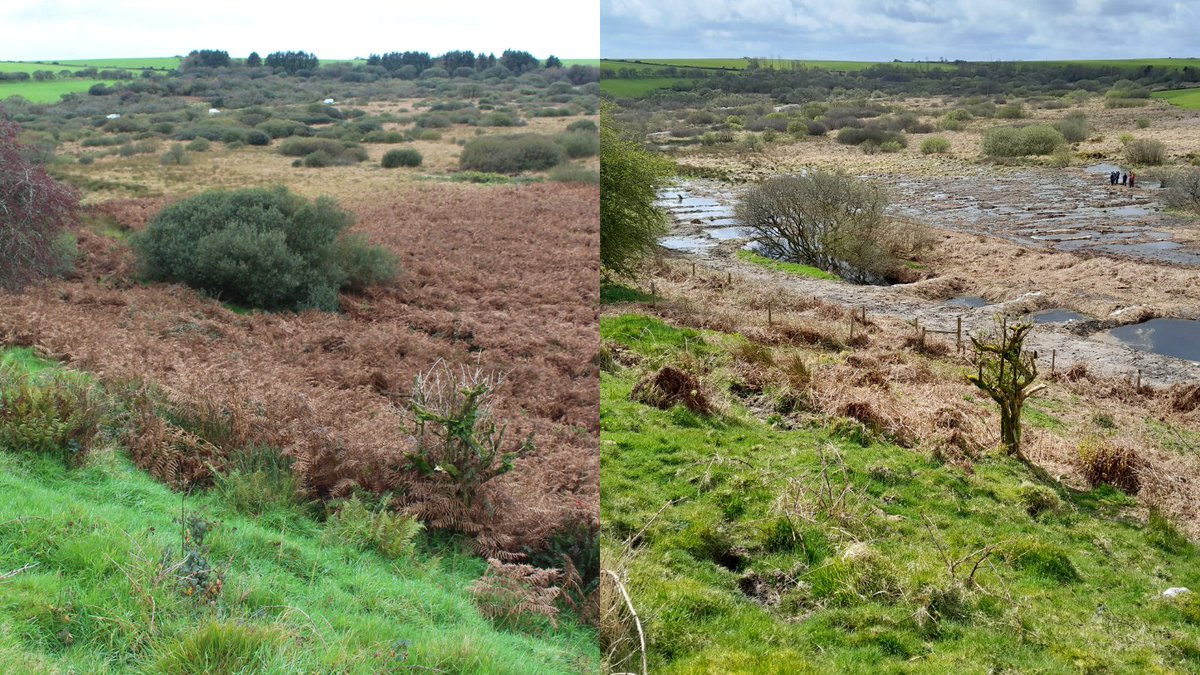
pixel 400 157
pixel 1145 152
pixel 364 264
pixel 1061 157
pixel 339 151
pixel 199 145
pixel 589 126
pixel 1012 111
pixel 1125 102
pixel 1038 139
pixel 935 145
pixel 176 155
pixel 1074 127
pixel 511 154
pixel 283 128
pixel 260 248
pixel 856 136
pixel 579 144
pixel 573 173
pixel 1183 190
pixel 257 137
pixel 374 529
pixel 318 160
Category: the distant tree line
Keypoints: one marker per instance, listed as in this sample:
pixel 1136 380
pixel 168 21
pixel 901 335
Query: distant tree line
pixel 515 61
pixel 800 84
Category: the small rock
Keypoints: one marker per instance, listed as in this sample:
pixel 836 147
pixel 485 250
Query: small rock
pixel 1172 592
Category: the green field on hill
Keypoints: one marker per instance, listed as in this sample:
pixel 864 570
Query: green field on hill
pixel 46 92
pixel 639 87
pixel 1184 98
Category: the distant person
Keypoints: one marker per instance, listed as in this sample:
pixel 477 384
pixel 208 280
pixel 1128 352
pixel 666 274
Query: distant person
pixel 1124 178
pixel 1132 177
pixel 1112 177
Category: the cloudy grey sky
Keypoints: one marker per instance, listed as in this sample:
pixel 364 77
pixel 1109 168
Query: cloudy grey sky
pixel 882 30
pixel 76 29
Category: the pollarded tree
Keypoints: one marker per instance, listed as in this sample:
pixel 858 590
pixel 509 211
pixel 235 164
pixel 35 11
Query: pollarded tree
pixel 630 223
pixel 35 211
pixel 1007 372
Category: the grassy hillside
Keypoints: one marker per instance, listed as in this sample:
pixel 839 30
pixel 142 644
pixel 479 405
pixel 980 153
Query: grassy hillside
pixel 758 544
pixel 96 576
pixel 46 92
pixel 1184 98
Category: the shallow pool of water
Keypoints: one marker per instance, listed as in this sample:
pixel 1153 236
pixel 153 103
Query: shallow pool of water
pixel 1172 337
pixel 1102 168
pixel 1056 316
pixel 727 233
pixel 687 244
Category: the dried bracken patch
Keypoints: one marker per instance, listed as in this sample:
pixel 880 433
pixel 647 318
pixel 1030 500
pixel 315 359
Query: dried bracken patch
pixel 1107 463
pixel 668 387
pixel 504 278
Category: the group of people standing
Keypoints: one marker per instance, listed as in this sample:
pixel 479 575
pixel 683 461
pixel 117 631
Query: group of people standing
pixel 1120 178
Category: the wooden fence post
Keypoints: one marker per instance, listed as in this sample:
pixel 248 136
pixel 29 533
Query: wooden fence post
pixel 1053 354
pixel 958 335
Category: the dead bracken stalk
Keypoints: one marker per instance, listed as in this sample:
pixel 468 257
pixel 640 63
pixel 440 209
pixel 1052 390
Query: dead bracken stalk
pixel 20 570
pixel 975 558
pixel 633 613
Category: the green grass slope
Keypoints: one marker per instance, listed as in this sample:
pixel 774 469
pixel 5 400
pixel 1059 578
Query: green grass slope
pixel 1184 98
pixel 90 582
pixel 754 548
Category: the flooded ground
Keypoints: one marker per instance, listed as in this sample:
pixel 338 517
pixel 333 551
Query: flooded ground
pixel 1179 338
pixel 1057 315
pixel 1069 210
pixel 1057 211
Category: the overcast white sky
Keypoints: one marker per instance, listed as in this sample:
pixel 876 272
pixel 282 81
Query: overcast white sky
pixel 882 30
pixel 77 29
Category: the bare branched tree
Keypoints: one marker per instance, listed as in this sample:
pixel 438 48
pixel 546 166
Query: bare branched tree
pixel 830 220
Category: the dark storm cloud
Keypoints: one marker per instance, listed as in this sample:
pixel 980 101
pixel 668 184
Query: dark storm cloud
pixel 905 29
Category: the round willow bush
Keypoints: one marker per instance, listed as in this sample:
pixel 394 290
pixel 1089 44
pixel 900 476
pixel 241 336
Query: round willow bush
pixel 405 157
pixel 935 145
pixel 268 249
pixel 511 154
